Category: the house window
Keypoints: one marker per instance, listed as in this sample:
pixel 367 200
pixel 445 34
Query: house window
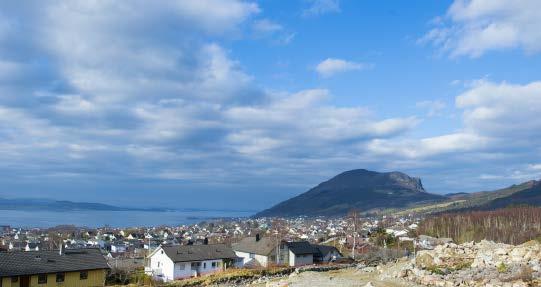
pixel 60 277
pixel 42 279
pixel 252 255
pixel 83 275
pixel 205 265
pixel 14 279
pixel 213 264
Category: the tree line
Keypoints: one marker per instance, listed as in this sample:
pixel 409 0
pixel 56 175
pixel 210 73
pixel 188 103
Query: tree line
pixel 514 225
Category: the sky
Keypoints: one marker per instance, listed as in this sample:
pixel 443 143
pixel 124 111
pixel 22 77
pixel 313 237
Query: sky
pixel 239 104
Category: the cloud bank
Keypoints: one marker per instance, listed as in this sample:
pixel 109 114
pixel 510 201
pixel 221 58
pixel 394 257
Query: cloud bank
pixel 474 27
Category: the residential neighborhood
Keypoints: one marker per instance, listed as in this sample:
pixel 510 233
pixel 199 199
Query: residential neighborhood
pixel 169 253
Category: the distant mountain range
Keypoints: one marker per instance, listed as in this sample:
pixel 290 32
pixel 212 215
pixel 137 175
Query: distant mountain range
pixel 370 192
pixel 527 193
pixel 31 204
pixel 359 189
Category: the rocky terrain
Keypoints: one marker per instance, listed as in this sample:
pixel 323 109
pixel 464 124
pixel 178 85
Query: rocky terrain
pixel 475 264
pixel 471 264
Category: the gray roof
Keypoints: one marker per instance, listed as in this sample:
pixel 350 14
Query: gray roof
pixel 325 249
pixel 264 246
pixel 302 247
pixel 185 253
pixel 40 262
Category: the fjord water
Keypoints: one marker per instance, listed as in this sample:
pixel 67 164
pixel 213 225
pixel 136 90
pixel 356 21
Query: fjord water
pixel 91 218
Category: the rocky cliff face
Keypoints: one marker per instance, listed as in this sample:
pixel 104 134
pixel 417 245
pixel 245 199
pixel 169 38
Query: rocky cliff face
pixel 405 181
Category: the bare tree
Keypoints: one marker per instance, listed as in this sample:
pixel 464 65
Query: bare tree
pixel 279 230
pixel 353 215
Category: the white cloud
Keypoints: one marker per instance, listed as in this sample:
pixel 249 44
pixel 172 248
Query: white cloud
pixel 428 147
pixel 266 26
pixel 497 118
pixel 278 34
pixel 75 104
pixel 320 7
pixel 502 109
pixel 122 95
pixel 304 118
pixel 474 27
pixel 331 66
pixel 434 108
pixel 535 167
pixel 216 15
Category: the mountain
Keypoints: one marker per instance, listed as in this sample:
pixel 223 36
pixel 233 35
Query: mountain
pixel 527 193
pixel 359 189
pixel 55 205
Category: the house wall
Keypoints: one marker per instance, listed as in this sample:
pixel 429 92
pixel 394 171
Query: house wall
pixel 262 259
pixel 162 266
pixel 165 269
pixel 185 270
pixel 299 260
pixel 329 256
pixel 95 278
pixel 333 254
pixel 118 248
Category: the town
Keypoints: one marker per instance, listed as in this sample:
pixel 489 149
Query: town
pixel 170 253
pixel 258 143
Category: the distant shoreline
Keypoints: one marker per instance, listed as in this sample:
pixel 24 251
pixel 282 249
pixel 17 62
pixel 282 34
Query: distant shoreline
pixel 31 204
pixel 111 218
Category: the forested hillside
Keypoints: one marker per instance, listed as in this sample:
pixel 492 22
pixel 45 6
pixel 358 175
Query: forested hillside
pixel 510 225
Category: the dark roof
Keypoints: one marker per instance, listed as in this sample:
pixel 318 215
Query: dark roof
pixel 302 247
pixel 184 253
pixel 40 262
pixel 264 246
pixel 325 249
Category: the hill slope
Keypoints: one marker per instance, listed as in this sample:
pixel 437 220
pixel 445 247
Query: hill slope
pixel 31 204
pixel 527 193
pixel 360 189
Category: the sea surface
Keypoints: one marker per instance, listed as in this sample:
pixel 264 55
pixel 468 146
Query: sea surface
pixel 91 218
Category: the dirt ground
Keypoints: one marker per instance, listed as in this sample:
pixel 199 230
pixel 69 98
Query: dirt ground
pixel 344 277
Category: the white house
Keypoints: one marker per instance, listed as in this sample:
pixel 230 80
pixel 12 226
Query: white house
pixel 326 254
pixel 118 248
pixel 169 263
pixel 257 251
pixel 301 253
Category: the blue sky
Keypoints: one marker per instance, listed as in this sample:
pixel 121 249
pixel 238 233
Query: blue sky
pixel 244 103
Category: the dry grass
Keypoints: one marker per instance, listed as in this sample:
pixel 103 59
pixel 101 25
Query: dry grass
pixel 231 275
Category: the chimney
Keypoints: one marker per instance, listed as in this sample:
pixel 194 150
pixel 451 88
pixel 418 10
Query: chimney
pixel 206 241
pixel 60 250
pixel 257 237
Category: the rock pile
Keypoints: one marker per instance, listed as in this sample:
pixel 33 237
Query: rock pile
pixel 476 264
